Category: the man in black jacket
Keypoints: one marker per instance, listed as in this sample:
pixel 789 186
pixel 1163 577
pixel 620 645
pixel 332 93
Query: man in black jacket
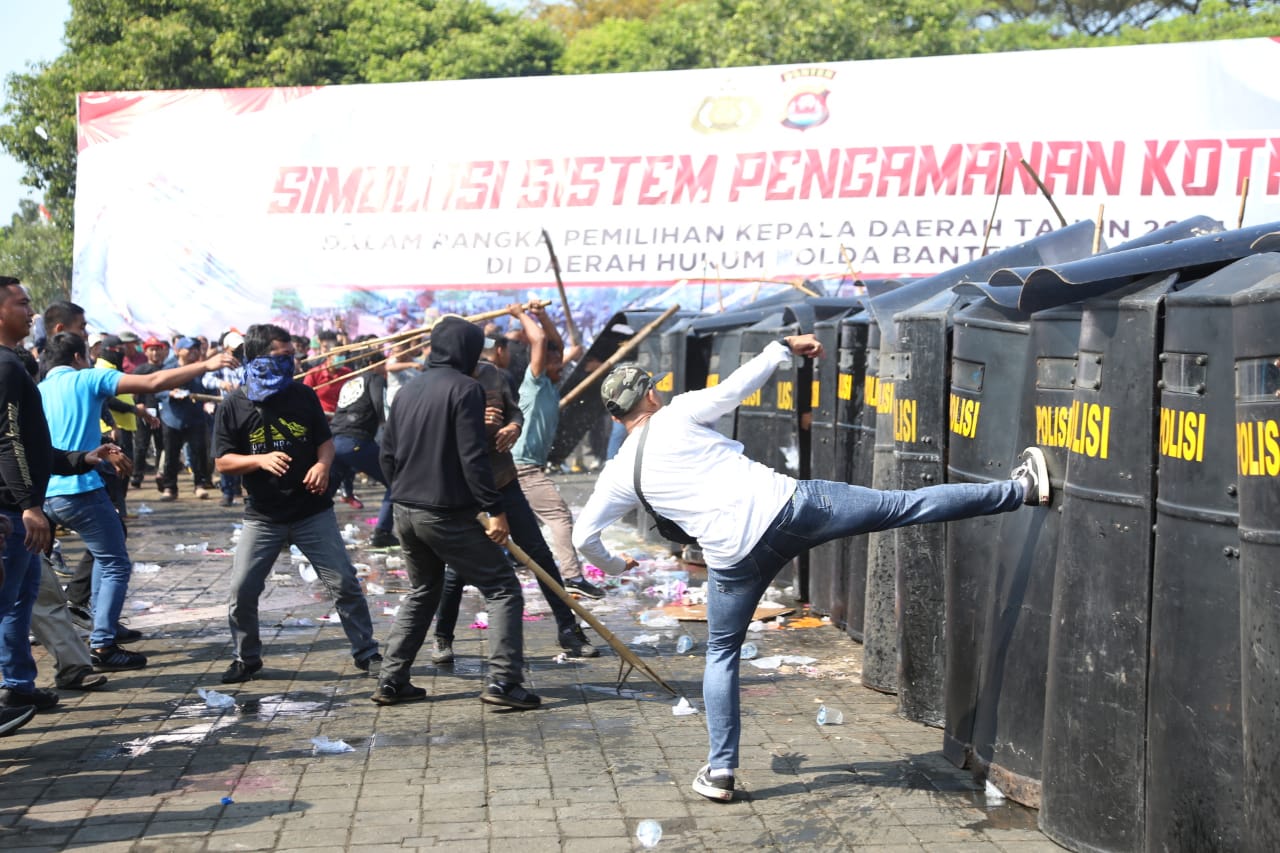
pixel 434 454
pixel 27 459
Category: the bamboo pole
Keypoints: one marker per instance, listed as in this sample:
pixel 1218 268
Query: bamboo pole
pixel 628 656
pixel 1244 197
pixel 572 328
pixel 400 337
pixel 800 287
pixel 986 236
pixel 426 333
pixel 1062 220
pixel 621 352
pixel 1097 230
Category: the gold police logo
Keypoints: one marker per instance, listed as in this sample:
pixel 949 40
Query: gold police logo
pixel 807 106
pixel 725 112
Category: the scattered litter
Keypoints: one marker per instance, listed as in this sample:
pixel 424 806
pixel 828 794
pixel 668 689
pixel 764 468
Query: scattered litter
pixel 375 588
pixel 647 639
pixel 399 573
pixel 749 651
pixel 297 622
pixel 481 621
pixel 395 562
pixel 295 553
pixel 143 509
pixel 332 617
pixel 214 699
pixel 684 644
pixel 307 572
pixel 532 617
pixel 755 627
pixel 198 548
pixel 390 611
pixel 362 569
pixel 683 708
pixel 323 746
pixel 649 833
pixel 994 794
pixel 830 716
pixel 146 568
pixel 775 661
pixel 805 622
pixel 138 604
pixel 563 657
pixel 657 619
pixel 226 801
pixel 592 573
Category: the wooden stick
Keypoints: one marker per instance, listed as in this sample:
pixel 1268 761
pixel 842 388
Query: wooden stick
pixel 412 333
pixel 1097 230
pixel 1062 220
pixel 847 257
pixel 800 287
pixel 596 625
pixel 574 337
pixel 1244 197
pixel 426 341
pixel 986 237
pixel 621 352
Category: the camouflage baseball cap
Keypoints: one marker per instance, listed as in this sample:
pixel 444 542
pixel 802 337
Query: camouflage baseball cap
pixel 624 387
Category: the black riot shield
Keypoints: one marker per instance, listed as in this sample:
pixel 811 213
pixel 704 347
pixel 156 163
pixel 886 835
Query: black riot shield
pixel 879 623
pixel 1194 669
pixel 856 427
pixel 1256 317
pixel 1096 693
pixel 829 459
pixel 1009 721
pixel 718 340
pixel 587 413
pixel 920 446
pixel 988 359
pixel 769 419
pixel 879 630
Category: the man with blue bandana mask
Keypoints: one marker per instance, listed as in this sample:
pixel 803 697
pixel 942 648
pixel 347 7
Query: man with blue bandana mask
pixel 272 432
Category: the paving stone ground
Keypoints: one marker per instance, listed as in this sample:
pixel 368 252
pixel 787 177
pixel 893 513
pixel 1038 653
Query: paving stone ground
pixel 144 765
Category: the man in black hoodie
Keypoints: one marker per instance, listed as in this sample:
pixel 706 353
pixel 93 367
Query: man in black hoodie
pixel 434 455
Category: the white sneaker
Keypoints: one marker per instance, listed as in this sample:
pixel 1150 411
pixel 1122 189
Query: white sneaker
pixel 1033 473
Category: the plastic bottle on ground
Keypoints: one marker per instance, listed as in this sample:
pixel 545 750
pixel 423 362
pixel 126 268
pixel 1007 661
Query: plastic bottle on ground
pixel 749 651
pixel 649 833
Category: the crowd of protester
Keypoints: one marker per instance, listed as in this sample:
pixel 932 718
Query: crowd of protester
pixel 285 424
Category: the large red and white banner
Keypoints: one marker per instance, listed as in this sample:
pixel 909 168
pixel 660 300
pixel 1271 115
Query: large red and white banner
pixel 199 209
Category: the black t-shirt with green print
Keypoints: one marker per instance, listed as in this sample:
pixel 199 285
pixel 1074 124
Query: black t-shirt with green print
pixel 290 421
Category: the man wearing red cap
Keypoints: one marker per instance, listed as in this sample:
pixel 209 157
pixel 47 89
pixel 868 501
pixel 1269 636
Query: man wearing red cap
pixel 155 351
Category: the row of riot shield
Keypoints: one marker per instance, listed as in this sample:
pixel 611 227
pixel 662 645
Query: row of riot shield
pixel 1112 659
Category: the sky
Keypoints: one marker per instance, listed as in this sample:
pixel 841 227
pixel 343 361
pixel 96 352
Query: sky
pixel 30 31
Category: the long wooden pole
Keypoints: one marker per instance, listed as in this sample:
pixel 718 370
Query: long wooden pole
pixel 1062 220
pixel 986 236
pixel 621 353
pixel 574 337
pixel 1097 230
pixel 617 645
pixel 426 333
pixel 1244 197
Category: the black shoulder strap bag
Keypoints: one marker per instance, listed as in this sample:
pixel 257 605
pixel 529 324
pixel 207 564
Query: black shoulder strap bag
pixel 666 528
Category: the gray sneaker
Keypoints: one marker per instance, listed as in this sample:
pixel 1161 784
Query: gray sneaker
pixel 443 651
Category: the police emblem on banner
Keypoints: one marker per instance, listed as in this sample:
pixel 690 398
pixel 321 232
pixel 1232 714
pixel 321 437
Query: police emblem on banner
pixel 807 106
pixel 725 112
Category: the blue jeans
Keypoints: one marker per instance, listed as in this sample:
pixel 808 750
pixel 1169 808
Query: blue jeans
pixel 318 539
pixel 818 512
pixel 92 516
pixel 17 596
pixel 361 454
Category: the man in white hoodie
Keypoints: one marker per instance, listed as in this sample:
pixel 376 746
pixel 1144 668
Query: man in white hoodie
pixel 748 519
